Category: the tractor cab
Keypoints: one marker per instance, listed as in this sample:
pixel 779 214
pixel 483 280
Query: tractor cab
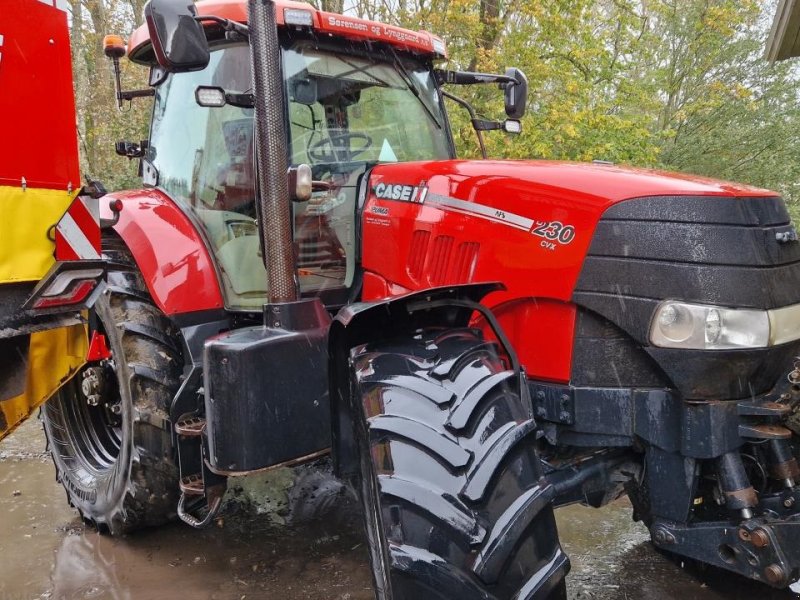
pixel 351 105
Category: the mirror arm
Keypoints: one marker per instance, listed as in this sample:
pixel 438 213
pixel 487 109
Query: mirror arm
pixel 468 78
pixel 226 24
pixel 486 125
pixel 473 117
pixel 131 94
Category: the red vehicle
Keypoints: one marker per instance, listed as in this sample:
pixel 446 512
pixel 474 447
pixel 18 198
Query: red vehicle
pixel 310 267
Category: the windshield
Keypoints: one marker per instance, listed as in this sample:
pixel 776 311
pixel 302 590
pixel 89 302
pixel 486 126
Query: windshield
pixel 345 109
pixel 345 114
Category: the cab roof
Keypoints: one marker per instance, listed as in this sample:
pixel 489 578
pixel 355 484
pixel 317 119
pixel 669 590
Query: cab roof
pixel 333 24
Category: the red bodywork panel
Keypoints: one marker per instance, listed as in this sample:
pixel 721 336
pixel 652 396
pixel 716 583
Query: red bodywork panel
pixel 328 23
pixel 526 224
pixel 173 258
pixel 39 136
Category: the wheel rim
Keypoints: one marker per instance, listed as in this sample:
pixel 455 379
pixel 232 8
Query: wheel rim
pixel 94 432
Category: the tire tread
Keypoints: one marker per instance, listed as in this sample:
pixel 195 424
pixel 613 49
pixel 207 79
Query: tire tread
pixel 456 534
pixel 149 497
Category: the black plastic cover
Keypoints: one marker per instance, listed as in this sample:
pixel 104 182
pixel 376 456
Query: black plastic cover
pixel 266 390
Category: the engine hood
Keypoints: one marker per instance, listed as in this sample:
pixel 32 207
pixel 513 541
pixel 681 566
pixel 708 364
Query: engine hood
pixel 526 223
pixel 596 184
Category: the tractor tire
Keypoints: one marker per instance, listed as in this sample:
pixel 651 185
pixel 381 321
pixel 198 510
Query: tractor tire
pixel 454 501
pixel 115 459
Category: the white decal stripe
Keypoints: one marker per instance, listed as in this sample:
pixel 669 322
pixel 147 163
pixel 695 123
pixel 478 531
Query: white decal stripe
pixel 487 212
pixel 92 206
pixel 75 238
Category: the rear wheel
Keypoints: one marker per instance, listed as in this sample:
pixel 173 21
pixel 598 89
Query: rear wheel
pixel 455 506
pixel 113 452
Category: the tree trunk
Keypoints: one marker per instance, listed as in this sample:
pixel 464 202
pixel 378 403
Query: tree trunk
pixel 491 27
pixel 336 6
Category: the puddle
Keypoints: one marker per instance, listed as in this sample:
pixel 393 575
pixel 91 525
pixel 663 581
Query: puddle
pixel 612 559
pixel 46 553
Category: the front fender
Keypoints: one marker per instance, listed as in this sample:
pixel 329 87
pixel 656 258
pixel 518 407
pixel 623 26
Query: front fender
pixel 363 322
pixel 172 256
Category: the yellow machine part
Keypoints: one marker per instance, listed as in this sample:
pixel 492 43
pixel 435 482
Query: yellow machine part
pixel 53 358
pixel 26 253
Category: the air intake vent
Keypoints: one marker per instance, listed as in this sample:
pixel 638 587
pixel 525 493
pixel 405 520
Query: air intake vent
pixel 416 255
pixel 442 261
pixel 439 259
pixel 464 262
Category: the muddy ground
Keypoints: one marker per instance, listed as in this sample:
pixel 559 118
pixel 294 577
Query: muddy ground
pixel 47 553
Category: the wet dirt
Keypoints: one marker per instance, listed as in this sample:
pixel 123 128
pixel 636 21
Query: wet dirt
pixel 47 553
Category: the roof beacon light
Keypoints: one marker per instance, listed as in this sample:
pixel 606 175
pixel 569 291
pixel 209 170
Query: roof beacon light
pixel 300 18
pixel 113 46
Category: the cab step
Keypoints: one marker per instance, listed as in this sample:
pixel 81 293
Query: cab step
pixel 191 427
pixel 192 485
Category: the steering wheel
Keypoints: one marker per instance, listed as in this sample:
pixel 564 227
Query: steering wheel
pixel 336 147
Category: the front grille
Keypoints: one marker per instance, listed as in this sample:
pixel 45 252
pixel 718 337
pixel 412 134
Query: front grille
pixel 711 250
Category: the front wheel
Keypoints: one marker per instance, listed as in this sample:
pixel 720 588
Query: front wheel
pixel 454 501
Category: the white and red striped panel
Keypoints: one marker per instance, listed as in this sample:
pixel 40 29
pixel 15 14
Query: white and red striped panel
pixel 77 234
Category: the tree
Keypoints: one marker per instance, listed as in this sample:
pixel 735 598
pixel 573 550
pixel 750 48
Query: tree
pixel 99 122
pixel 680 84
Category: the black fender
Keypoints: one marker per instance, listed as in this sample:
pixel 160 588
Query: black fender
pixel 362 322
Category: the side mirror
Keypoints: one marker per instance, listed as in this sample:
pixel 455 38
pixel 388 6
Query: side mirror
pixel 516 95
pixel 178 39
pixel 302 184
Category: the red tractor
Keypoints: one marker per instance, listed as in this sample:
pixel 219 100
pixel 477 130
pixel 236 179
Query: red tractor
pixel 309 267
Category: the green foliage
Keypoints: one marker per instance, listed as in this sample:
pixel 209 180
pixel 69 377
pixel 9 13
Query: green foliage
pixel 100 123
pixel 676 84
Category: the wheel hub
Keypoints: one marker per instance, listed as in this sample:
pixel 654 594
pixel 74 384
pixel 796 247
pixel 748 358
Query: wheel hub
pixel 93 384
pixel 97 386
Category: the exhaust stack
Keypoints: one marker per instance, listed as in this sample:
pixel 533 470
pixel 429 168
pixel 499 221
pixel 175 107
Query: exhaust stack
pixel 273 165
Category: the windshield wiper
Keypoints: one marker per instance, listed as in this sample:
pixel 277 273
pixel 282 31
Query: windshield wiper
pixel 357 69
pixel 413 86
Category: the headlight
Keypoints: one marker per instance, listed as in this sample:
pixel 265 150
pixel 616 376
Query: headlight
pixel 702 327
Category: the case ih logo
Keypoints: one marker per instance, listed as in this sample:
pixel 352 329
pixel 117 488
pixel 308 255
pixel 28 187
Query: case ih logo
pixel 404 193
